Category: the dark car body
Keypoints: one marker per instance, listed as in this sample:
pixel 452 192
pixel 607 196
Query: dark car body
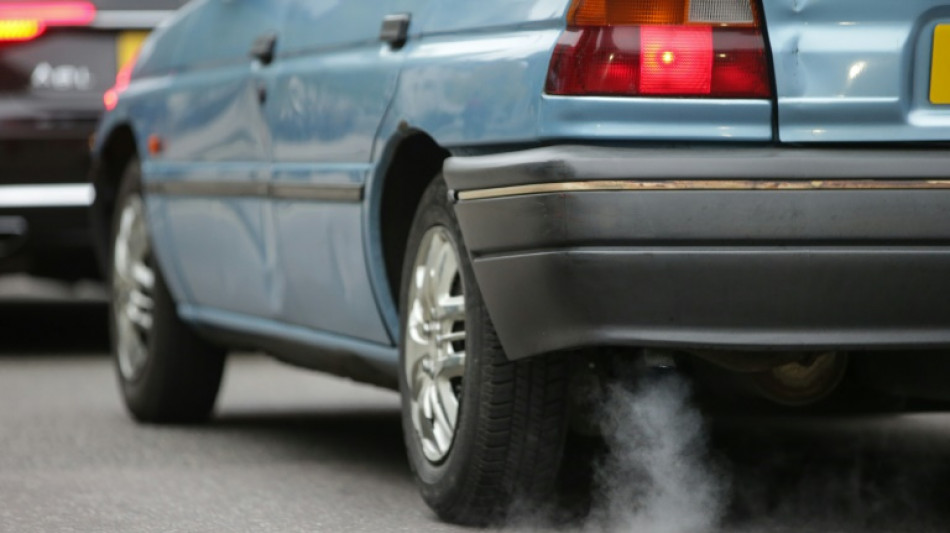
pixel 51 96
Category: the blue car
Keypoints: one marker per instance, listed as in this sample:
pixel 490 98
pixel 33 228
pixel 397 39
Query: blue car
pixel 477 202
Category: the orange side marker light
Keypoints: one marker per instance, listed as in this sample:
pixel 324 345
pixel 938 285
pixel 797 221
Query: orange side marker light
pixel 155 144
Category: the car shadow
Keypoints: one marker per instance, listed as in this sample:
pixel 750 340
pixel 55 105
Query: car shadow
pixel 867 473
pixel 368 437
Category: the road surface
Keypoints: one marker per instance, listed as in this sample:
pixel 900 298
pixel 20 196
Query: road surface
pixel 291 450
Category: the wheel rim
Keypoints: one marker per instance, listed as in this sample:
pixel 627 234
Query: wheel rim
pixel 435 343
pixel 133 283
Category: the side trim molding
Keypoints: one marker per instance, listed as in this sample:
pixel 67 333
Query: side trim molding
pixel 232 189
pixel 207 188
pixel 318 193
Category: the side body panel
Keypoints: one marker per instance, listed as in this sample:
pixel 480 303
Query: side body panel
pixel 214 234
pixel 474 72
pixel 329 89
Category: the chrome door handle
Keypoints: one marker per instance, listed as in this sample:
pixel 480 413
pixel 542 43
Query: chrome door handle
pixel 262 49
pixel 395 30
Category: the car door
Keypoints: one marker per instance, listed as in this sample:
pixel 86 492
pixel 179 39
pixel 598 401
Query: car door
pixel 212 175
pixel 331 88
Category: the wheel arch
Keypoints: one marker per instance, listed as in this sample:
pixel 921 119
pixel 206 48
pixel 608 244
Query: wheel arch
pixel 115 153
pixel 411 161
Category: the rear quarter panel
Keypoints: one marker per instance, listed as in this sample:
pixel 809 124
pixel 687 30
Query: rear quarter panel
pixel 474 75
pixel 474 71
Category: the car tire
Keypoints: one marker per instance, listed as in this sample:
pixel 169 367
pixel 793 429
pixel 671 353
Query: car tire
pixel 507 440
pixel 166 373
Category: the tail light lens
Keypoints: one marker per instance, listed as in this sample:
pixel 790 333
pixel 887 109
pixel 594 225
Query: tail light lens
pixel 122 79
pixel 23 21
pixel 685 48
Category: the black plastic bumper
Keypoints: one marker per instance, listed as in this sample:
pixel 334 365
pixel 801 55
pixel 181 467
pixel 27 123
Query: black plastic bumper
pixel 745 249
pixel 43 233
pixel 52 242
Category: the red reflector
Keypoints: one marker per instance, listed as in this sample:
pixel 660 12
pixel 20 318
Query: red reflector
pixel 649 60
pixel 676 60
pixel 155 144
pixel 111 97
pixel 22 21
pixel 740 70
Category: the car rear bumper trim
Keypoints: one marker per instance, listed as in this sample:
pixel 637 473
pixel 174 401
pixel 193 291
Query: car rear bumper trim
pixel 55 195
pixel 701 185
pixel 683 166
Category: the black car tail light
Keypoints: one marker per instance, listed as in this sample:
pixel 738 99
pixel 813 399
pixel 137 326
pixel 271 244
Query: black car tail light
pixel 24 21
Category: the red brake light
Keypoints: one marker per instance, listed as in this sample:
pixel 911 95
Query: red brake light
pixel 22 21
pixel 687 48
pixel 676 59
pixel 122 80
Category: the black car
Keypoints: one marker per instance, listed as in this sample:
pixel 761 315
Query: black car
pixel 58 59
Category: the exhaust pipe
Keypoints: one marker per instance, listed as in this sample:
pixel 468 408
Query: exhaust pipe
pixel 657 364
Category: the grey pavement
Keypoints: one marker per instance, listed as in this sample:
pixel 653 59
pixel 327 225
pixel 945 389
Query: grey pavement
pixel 291 450
pixel 288 451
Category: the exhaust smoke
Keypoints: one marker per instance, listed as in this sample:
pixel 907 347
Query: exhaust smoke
pixel 662 467
pixel 658 475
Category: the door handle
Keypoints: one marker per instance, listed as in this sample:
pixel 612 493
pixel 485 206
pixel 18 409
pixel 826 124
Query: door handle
pixel 262 49
pixel 395 30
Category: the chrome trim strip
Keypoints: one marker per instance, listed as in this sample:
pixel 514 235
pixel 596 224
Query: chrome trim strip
pixel 280 191
pixel 701 185
pixel 569 163
pixel 228 189
pixel 131 19
pixel 324 193
pixel 54 195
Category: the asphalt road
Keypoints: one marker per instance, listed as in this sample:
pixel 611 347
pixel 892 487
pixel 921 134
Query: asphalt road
pixel 291 450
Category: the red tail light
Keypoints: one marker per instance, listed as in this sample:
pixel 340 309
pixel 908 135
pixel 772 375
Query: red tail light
pixel 122 80
pixel 22 21
pixel 687 48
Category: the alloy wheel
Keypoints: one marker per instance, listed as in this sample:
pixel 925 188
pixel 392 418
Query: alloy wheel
pixel 133 284
pixel 435 342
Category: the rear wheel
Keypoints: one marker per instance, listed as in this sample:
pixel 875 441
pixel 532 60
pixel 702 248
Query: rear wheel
pixel 481 431
pixel 166 373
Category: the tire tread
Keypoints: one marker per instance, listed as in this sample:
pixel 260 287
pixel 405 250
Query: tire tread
pixel 521 421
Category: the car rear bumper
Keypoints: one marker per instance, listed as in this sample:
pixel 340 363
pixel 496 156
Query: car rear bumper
pixel 44 230
pixel 709 248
